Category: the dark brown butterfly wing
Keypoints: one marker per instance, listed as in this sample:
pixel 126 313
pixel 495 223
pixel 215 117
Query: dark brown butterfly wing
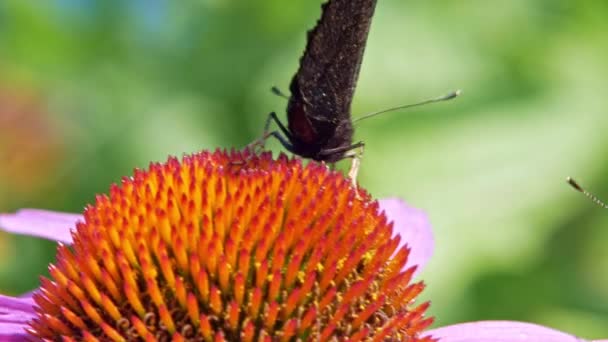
pixel 322 89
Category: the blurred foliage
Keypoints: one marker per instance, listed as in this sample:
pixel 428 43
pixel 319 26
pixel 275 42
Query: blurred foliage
pixel 106 86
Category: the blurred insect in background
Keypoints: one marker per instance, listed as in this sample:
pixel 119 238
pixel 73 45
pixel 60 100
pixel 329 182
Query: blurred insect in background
pixel 579 188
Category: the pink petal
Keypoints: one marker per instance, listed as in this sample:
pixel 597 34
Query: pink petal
pixel 28 295
pixel 414 227
pixel 50 225
pixel 14 315
pixel 10 332
pixel 500 331
pixel 10 305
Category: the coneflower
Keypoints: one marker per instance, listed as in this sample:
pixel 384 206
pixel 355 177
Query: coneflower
pixel 236 247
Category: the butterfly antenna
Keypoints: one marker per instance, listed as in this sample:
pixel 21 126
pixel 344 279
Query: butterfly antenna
pixel 579 188
pixel 446 97
pixel 278 92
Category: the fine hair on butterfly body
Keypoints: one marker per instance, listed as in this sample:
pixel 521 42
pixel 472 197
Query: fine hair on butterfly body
pixel 579 188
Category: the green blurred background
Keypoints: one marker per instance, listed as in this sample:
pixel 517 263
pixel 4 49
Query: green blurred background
pixel 90 89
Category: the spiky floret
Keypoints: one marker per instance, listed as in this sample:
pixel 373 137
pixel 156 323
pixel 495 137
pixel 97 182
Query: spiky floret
pixel 231 247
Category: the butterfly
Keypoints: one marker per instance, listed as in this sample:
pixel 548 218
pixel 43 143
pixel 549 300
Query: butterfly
pixel 319 124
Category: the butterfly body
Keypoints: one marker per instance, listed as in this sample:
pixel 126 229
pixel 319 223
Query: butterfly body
pixel 318 137
pixel 319 123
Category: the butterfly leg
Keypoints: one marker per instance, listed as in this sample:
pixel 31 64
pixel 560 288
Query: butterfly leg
pixel 259 143
pixel 278 92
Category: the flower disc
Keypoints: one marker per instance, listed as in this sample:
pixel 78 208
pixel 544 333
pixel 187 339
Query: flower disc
pixel 231 247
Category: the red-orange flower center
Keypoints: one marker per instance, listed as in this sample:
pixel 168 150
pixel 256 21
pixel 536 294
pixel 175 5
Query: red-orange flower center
pixel 231 247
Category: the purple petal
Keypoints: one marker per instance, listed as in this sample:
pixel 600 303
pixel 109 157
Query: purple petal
pixel 414 227
pixel 10 332
pixel 11 305
pixel 500 331
pixel 50 225
pixel 28 296
pixel 14 315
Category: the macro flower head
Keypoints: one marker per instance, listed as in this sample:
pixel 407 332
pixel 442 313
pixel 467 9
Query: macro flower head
pixel 231 246
pixel 236 247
